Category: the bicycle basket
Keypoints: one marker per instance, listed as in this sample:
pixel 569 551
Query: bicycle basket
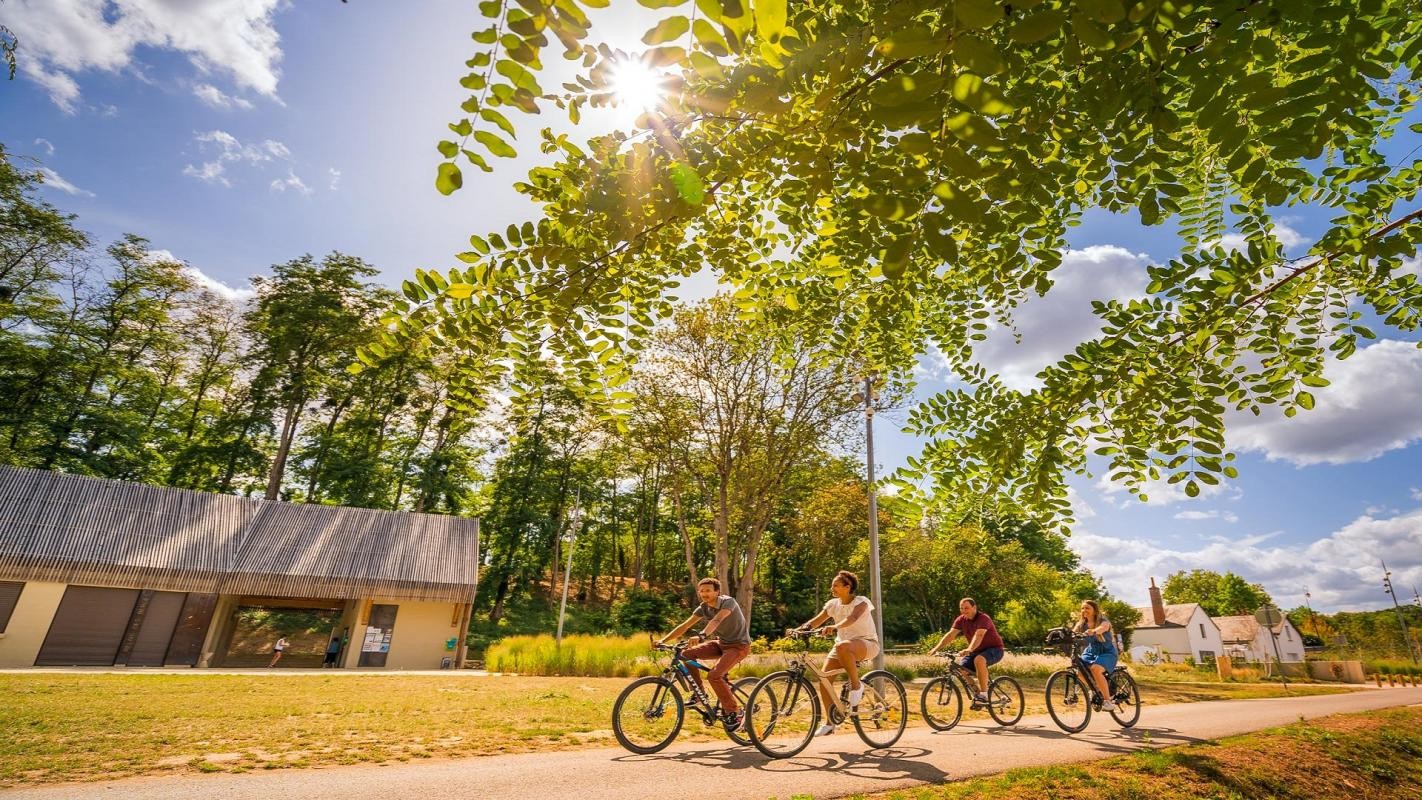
pixel 1060 638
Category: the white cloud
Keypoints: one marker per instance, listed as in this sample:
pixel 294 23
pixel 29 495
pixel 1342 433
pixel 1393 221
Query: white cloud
pixel 1416 493
pixel 292 182
pixel 47 145
pixel 1163 493
pixel 335 179
pixel 66 37
pixel 1373 405
pixel 1287 236
pixel 1227 516
pixel 202 279
pixel 1410 266
pixel 53 180
pixel 1340 569
pixel 216 98
pixel 227 149
pixel 1053 325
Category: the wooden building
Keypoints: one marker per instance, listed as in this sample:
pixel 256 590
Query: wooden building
pixel 97 572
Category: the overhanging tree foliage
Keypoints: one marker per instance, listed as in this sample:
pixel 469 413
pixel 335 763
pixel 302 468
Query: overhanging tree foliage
pixel 885 177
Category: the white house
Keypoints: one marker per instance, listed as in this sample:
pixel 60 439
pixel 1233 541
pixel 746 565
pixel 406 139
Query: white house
pixel 1174 632
pixel 1245 638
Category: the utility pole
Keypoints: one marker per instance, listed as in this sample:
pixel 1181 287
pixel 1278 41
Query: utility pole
pixel 875 592
pixel 577 518
pixel 1312 620
pixel 1401 620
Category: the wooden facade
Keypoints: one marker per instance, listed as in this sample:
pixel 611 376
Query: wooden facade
pixel 90 531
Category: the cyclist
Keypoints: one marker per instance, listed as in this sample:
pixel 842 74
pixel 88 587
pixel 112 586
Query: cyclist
pixel 855 639
pixel 985 646
pixel 1100 652
pixel 723 618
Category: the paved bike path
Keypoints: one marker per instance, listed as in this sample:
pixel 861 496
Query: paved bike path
pixel 833 766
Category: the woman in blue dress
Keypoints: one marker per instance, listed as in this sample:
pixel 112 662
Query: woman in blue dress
pixel 1100 653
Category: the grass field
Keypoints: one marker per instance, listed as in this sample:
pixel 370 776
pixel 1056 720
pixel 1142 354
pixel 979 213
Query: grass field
pixel 1372 755
pixel 74 727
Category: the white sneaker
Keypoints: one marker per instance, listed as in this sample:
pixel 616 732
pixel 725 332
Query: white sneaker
pixel 825 729
pixel 855 696
pixel 1109 707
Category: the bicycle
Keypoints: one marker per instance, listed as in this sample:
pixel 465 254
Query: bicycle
pixel 784 708
pixel 1071 691
pixel 942 698
pixel 649 713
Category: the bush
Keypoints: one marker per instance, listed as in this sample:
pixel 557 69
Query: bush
pixel 581 655
pixel 642 610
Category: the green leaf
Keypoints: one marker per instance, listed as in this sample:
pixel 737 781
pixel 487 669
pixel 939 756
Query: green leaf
pixel 769 18
pixel 914 42
pixel 977 55
pixel 667 30
pixel 1192 489
pixel 660 3
pixel 448 179
pixel 1305 400
pixel 496 145
pixel 447 149
pixel 973 92
pixel 688 184
pixel 978 13
pixel 499 119
pixel 459 291
pixel 1037 26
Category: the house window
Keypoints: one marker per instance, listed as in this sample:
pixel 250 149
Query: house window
pixel 9 596
pixel 1288 634
pixel 1202 630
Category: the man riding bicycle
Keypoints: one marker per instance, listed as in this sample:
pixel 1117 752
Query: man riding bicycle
pixel 723 618
pixel 985 646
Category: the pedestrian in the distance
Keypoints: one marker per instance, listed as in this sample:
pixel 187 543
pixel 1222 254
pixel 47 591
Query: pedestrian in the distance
pixel 333 651
pixel 277 650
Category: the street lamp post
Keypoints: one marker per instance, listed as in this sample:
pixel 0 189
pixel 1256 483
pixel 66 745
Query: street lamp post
pixel 1401 620
pixel 1312 620
pixel 875 592
pixel 572 534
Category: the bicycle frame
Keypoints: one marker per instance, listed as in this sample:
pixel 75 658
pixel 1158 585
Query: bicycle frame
pixel 679 672
pixel 800 664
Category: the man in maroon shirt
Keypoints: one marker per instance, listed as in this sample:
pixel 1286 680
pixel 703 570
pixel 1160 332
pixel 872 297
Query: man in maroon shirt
pixel 984 645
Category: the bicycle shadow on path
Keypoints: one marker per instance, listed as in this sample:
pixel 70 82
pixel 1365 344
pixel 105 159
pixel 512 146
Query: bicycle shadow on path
pixel 1122 740
pixel 883 764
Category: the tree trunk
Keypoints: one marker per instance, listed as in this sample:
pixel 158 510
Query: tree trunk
pixel 288 433
pixel 686 548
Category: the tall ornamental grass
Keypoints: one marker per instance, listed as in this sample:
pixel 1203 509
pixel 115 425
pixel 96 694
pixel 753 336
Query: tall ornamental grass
pixel 582 655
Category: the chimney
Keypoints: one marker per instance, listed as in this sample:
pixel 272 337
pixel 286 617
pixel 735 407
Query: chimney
pixel 1157 606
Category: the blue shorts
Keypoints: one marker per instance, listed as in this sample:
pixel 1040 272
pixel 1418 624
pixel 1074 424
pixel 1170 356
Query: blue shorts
pixel 991 655
pixel 1106 659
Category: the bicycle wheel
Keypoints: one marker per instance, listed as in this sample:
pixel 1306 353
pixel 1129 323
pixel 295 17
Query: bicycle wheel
pixel 1068 701
pixel 1127 697
pixel 783 712
pixel 1005 700
pixel 883 711
pixel 648 715
pixel 941 704
pixel 742 689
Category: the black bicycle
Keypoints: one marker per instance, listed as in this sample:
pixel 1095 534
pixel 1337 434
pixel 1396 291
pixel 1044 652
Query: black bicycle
pixel 942 698
pixel 650 711
pixel 784 708
pixel 1072 694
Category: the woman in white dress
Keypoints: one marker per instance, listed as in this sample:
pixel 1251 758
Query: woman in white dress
pixel 855 638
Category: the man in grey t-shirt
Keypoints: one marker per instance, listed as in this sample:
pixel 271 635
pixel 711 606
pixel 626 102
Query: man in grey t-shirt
pixel 723 618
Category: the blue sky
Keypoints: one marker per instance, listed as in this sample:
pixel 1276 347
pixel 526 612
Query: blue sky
pixel 239 133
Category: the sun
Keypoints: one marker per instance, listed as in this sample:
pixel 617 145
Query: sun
pixel 637 87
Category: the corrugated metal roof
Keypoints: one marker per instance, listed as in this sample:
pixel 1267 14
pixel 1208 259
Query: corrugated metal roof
pixel 74 529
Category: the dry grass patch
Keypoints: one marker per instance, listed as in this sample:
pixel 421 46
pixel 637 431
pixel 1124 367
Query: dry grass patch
pixel 1372 755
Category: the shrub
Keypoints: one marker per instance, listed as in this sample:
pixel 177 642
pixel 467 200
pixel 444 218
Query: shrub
pixel 641 610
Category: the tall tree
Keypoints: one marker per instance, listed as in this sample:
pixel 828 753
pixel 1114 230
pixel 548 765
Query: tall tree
pixel 305 323
pixel 1219 594
pixel 751 416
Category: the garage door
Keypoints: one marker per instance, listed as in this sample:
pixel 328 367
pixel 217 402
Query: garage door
pixel 151 629
pixel 88 627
